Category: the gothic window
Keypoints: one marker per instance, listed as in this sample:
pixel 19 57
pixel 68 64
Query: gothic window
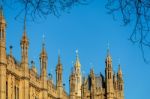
pixel 78 79
pixel 120 87
pixel 6 90
pixel 36 97
pixel 0 35
pixel 16 92
pixel 108 75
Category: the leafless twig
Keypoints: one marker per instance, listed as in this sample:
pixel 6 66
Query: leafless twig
pixel 138 12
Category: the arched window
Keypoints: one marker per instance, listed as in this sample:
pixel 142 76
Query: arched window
pixel 0 35
pixel 6 90
pixel 109 75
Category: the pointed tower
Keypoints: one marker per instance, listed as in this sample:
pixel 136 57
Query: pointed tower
pixel 2 37
pixel 115 82
pixel 120 83
pixel 78 77
pixel 72 84
pixel 109 77
pixel 92 79
pixel 24 48
pixel 59 78
pixel 24 63
pixel 43 64
pixel 2 55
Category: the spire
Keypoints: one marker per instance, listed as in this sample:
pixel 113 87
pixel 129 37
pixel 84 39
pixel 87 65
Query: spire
pixel 119 70
pixel 2 19
pixel 92 71
pixel 115 77
pixel 108 58
pixel 43 53
pixel 24 40
pixel 59 65
pixel 77 63
pixel 59 60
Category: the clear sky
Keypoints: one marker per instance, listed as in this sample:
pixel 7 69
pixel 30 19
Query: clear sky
pixel 88 29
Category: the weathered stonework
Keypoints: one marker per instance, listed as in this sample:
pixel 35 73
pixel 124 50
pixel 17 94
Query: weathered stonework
pixel 18 81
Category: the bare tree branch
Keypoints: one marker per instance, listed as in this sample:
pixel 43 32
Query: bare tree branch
pixel 135 12
pixel 41 8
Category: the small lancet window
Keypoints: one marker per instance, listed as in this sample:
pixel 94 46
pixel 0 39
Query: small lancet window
pixel 0 35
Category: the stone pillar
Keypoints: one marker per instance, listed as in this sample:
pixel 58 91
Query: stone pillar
pixel 2 81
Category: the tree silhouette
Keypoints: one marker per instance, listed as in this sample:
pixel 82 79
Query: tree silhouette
pixel 136 12
pixel 34 9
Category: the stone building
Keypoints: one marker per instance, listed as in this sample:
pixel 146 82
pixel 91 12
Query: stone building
pixel 18 81
pixel 97 86
pixel 76 80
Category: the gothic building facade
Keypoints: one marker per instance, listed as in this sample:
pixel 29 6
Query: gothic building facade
pixel 18 80
pixel 110 86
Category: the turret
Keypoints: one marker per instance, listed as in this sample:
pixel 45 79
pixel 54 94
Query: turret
pixel 24 63
pixel 92 79
pixel 2 37
pixel 115 82
pixel 120 83
pixel 24 49
pixel 59 78
pixel 109 77
pixel 78 77
pixel 43 65
pixel 2 55
pixel 43 61
pixel 72 84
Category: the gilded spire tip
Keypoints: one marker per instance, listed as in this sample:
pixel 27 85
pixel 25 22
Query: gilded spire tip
pixel 77 63
pixel 59 60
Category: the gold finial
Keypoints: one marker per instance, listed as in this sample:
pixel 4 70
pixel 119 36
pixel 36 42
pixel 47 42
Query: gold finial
pixel 43 53
pixel 77 63
pixel 119 70
pixel 108 58
pixel 59 60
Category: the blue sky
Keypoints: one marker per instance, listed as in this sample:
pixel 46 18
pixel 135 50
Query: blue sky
pixel 87 28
